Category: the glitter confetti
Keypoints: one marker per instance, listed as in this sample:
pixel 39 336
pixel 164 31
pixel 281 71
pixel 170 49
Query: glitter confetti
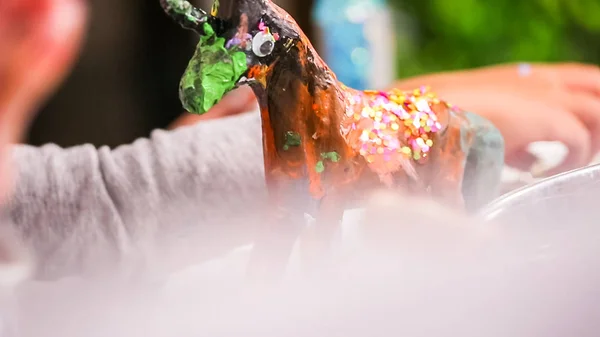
pixel 394 125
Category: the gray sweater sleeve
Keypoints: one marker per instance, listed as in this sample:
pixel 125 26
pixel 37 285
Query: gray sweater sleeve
pixel 177 198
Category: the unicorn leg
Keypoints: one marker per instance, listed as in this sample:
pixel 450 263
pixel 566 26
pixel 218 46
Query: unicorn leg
pixel 272 251
pixel 485 161
pixel 185 14
pixel 316 241
pixel 277 238
pixel 448 169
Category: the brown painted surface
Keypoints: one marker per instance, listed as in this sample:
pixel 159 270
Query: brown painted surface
pixel 324 166
pixel 317 113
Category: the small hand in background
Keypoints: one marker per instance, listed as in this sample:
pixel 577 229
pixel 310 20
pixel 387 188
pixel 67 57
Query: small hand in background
pixel 530 103
pixel 236 102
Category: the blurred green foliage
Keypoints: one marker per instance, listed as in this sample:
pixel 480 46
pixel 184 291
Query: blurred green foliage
pixel 438 35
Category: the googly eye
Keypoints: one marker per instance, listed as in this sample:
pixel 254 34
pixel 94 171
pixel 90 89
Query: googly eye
pixel 263 44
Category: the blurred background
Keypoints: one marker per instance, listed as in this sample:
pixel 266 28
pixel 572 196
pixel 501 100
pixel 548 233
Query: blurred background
pixel 125 83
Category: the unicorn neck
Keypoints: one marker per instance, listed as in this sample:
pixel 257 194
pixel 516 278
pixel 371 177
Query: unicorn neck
pixel 291 89
pixel 292 107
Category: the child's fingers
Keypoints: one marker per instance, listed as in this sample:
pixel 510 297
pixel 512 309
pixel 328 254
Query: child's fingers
pixel 570 131
pixel 586 108
pixel 238 101
pixel 576 76
pixel 521 159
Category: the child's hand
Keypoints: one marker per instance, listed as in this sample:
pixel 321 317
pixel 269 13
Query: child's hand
pixel 236 102
pixel 530 104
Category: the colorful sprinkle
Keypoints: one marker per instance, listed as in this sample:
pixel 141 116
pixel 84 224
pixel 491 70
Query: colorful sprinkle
pixel 395 122
pixel 292 139
pixel 320 167
pixel 333 156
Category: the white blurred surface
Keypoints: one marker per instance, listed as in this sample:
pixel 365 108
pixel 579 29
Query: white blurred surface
pixel 449 276
pixel 424 272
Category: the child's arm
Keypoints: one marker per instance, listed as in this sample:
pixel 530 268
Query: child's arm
pixel 191 190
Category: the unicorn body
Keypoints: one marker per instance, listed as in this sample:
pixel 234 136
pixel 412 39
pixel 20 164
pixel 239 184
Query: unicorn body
pixel 325 144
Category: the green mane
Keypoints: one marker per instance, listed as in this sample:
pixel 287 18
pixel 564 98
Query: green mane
pixel 211 73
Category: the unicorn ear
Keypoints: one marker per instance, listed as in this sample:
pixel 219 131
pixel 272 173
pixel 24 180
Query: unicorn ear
pixel 231 10
pixel 228 9
pixel 185 14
